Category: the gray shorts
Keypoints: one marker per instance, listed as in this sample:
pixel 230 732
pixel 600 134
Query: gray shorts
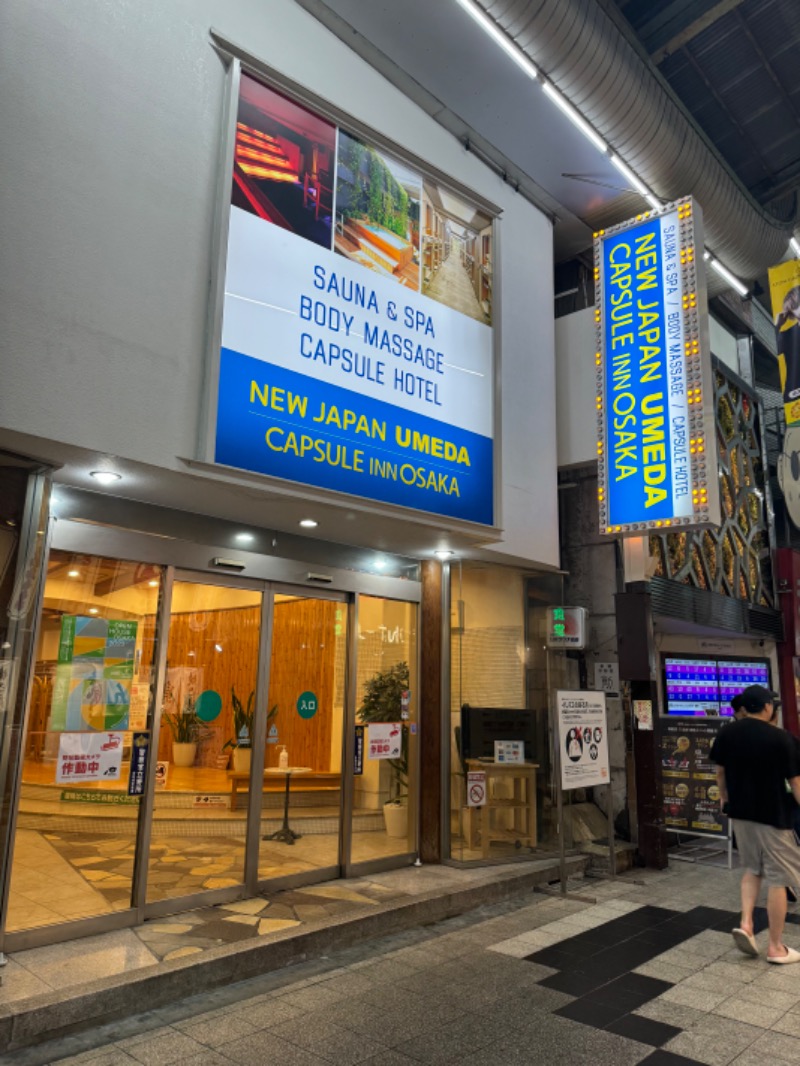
pixel 768 852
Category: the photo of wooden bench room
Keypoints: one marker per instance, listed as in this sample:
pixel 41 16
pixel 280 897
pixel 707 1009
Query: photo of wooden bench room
pixel 283 163
pixel 377 211
pixel 456 253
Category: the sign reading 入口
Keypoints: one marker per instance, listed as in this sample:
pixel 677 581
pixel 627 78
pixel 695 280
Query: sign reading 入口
pixel 656 448
pixel 347 362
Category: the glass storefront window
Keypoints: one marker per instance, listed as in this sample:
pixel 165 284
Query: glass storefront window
pixel 76 829
pixel 498 666
pixel 384 809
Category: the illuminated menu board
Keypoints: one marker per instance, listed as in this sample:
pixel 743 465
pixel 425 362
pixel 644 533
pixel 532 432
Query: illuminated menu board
pixel 705 687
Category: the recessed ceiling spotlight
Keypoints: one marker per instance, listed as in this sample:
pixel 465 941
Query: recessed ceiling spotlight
pixel 309 523
pixel 105 477
pixel 443 553
pixel 73 573
pixel 380 563
pixel 153 584
pixel 244 538
pixel 93 610
pixel 217 647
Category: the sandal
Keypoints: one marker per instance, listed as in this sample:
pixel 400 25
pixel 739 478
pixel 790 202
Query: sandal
pixel 745 942
pixel 785 960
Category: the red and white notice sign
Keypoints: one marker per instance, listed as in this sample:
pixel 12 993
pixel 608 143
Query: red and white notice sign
pixel 89 757
pixel 385 740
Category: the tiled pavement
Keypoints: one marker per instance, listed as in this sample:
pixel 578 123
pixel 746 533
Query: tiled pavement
pixel 647 974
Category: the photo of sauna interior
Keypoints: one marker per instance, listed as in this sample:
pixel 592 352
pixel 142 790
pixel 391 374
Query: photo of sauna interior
pixel 78 837
pixel 283 163
pixel 456 253
pixel 377 211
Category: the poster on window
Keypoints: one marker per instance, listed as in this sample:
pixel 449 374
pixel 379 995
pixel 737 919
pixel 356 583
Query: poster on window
pixel 89 757
pixel 94 672
pixel 356 351
pixel 385 740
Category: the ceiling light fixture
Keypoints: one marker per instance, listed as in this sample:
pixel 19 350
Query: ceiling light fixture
pixel 629 176
pixel 443 553
pixel 308 523
pixel 726 274
pixel 217 647
pixel 575 117
pixel 488 25
pixel 105 477
pixel 73 573
pixel 512 49
pixel 244 538
pixel 93 610
pixel 153 584
pixel 794 244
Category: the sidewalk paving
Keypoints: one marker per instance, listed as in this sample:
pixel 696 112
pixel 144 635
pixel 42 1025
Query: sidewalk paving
pixel 648 973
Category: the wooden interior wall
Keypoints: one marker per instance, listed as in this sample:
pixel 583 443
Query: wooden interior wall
pixel 237 632
pixel 303 660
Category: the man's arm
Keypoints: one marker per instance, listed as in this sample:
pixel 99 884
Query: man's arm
pixel 723 786
pixel 794 785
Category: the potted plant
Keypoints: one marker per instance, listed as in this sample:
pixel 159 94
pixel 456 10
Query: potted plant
pixel 241 742
pixel 382 702
pixel 187 730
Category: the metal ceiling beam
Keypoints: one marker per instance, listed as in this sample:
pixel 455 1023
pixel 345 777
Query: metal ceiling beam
pixel 694 28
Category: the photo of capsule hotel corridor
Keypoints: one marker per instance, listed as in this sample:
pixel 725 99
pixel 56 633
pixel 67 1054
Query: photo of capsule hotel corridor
pixel 283 163
pixel 456 253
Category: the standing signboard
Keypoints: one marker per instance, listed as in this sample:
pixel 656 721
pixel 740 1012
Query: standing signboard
pixel 656 441
pixel 356 348
pixel 688 776
pixel 784 285
pixel 583 739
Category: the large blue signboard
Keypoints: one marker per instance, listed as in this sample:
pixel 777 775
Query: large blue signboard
pixel 356 350
pixel 656 440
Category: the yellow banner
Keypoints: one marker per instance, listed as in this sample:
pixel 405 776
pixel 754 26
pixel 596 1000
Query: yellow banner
pixel 784 287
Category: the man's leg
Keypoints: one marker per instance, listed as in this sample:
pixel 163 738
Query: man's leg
pixel 751 886
pixel 776 913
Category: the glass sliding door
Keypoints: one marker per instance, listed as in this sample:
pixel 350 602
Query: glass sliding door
pixel 75 843
pixel 197 836
pixel 302 790
pixel 384 815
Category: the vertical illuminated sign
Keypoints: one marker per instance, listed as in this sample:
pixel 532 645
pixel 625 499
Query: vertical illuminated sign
pixel 656 447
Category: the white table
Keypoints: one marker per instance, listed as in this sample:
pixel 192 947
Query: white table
pixel 285 834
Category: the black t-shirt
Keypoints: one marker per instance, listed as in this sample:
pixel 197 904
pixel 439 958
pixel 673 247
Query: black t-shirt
pixel 758 759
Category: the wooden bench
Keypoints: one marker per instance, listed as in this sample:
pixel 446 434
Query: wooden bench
pixel 313 782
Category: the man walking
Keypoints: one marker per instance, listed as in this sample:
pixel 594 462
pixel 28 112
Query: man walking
pixel 755 761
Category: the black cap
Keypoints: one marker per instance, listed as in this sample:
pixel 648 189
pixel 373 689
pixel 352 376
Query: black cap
pixel 755 698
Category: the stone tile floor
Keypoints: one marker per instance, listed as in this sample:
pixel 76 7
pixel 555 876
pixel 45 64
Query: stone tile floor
pixel 41 970
pixel 645 974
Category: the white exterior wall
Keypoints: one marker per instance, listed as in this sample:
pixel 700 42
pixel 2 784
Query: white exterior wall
pixel 576 411
pixel 110 130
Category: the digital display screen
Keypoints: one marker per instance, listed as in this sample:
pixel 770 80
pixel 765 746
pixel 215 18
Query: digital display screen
pixel 705 687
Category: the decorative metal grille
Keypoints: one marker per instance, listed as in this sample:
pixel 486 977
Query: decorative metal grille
pixel 735 559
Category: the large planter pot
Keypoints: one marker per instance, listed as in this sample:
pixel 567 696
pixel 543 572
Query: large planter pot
pixel 241 760
pixel 184 754
pixel 395 816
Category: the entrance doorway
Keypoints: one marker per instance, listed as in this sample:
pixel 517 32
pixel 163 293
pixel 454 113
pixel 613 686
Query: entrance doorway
pixel 255 702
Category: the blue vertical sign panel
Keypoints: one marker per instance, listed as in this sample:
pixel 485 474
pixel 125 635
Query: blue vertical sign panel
pixel 651 445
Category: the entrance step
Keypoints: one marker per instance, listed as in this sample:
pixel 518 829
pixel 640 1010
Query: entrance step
pixel 420 897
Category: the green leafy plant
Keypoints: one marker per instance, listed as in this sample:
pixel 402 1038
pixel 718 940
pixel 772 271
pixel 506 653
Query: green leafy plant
pixel 382 702
pixel 243 717
pixel 186 727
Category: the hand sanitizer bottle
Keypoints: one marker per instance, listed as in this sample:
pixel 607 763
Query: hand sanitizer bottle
pixel 283 758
